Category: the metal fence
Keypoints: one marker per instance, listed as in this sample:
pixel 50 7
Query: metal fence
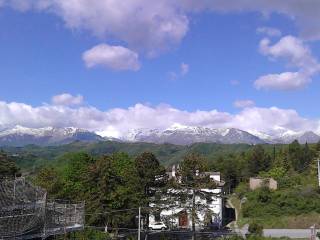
pixel 26 213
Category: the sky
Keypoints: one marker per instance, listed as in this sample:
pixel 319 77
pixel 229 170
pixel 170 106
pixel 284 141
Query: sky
pixel 112 66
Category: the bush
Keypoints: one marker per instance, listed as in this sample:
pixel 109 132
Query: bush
pixel 264 204
pixel 255 229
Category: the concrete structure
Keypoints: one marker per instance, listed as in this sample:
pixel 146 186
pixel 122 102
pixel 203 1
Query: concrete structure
pixel 177 213
pixel 263 182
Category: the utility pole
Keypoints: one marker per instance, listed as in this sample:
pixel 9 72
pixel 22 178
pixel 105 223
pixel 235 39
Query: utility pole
pixel 193 215
pixel 318 161
pixel 139 225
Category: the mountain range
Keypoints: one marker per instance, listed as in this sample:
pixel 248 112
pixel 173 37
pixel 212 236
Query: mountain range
pixel 20 136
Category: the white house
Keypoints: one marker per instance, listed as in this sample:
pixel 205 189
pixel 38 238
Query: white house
pixel 177 214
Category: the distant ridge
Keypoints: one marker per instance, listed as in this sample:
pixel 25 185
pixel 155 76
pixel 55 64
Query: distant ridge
pixel 21 136
pixel 178 135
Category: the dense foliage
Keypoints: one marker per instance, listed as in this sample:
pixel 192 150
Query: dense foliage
pixel 108 185
pixel 8 168
pixel 108 180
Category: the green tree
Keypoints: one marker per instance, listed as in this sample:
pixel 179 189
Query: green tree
pixel 318 147
pixel 151 176
pixel 8 168
pixel 113 184
pixel 307 156
pixel 295 156
pixel 150 171
pixel 192 182
pixel 75 173
pixel 258 161
pixel 49 179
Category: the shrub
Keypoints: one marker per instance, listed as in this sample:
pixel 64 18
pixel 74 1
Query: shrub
pixel 241 190
pixel 255 229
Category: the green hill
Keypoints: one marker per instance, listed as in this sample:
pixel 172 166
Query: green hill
pixel 33 156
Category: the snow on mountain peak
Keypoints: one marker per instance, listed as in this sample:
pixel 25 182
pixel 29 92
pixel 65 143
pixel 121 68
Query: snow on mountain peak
pixel 175 134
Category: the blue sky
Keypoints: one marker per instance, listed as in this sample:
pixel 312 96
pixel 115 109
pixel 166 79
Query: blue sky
pixel 43 47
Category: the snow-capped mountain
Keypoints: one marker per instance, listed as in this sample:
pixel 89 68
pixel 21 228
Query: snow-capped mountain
pixel 20 136
pixel 302 137
pixel 189 135
pixel 177 134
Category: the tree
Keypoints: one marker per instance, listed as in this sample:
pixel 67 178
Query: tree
pixel 318 147
pixel 74 174
pixel 230 170
pixel 192 182
pixel 151 176
pixel 258 161
pixel 49 179
pixel 8 168
pixel 307 156
pixel 112 184
pixel 150 171
pixel 295 156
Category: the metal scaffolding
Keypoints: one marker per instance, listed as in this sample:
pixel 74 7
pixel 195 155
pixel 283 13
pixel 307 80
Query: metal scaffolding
pixel 25 212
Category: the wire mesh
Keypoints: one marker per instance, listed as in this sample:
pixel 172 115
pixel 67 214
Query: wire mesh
pixel 25 211
pixel 22 207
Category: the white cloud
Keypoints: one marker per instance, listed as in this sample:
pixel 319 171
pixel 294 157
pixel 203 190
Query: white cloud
pixel 154 26
pixel 184 69
pixel 283 81
pixel 244 103
pixel 118 121
pixel 293 50
pixel 113 57
pixel 298 55
pixel 269 31
pixel 66 99
pixel 304 13
pixel 149 26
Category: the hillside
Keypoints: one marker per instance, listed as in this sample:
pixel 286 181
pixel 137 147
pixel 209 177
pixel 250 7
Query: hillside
pixel 34 156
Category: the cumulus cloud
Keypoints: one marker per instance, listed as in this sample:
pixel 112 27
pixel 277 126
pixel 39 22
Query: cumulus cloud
pixel 271 32
pixel 244 103
pixel 149 26
pixel 155 26
pixel 298 55
pixel 282 81
pixel 113 57
pixel 66 99
pixel 293 50
pixel 118 121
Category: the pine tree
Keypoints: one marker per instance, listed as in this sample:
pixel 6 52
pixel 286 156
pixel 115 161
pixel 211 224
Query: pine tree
pixel 295 156
pixel 192 180
pixel 258 161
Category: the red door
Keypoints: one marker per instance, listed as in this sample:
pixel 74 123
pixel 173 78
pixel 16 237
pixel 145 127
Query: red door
pixel 183 220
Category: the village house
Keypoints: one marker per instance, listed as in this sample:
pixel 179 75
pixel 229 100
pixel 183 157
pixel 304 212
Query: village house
pixel 177 214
